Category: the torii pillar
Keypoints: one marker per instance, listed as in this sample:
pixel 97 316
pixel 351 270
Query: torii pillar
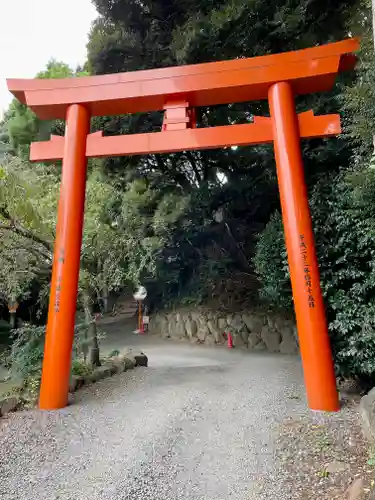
pixel 178 91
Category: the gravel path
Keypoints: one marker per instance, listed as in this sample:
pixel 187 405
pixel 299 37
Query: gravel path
pixel 199 423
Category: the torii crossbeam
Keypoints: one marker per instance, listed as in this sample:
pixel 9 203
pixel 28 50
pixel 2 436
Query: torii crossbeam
pixel 178 91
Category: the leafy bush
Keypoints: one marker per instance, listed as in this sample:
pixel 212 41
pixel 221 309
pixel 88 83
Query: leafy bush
pixel 30 390
pixel 26 354
pixel 80 368
pixel 5 334
pixel 83 339
pixel 271 264
pixel 4 327
pixel 343 210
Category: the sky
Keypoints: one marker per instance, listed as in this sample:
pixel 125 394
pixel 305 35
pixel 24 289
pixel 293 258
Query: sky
pixel 34 31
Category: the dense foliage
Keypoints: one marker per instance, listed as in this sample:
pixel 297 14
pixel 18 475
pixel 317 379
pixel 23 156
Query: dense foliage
pixel 209 250
pixel 205 226
pixel 343 210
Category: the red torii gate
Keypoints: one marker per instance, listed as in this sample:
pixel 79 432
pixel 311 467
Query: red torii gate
pixel 178 91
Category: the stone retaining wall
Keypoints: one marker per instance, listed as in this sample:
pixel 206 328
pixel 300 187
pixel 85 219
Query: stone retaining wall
pixel 255 331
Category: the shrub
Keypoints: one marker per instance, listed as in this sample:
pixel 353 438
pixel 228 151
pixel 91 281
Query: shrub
pixel 26 354
pixel 272 266
pixel 80 368
pixel 5 327
pixel 343 210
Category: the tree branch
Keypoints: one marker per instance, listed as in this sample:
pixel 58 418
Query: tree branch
pixel 193 164
pixel 26 233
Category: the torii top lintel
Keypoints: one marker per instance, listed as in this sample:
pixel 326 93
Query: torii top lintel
pixel 239 80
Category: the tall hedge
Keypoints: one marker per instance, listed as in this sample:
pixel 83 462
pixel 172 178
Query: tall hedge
pixel 343 210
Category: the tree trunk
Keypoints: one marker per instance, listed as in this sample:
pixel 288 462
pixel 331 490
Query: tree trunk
pixel 94 351
pixel 12 319
pixel 103 294
pixel 105 288
pixel 105 300
pixel 92 331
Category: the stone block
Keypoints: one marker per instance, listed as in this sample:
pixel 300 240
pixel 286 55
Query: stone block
pixel 191 328
pixel 8 404
pixel 172 326
pixel 202 332
pixel 141 359
pixel 129 359
pixel 118 362
pixel 367 415
pixel 73 383
pixel 108 369
pixel 209 340
pixel 157 325
pixel 288 346
pixel 288 343
pixel 202 319
pixel 253 340
pixel 120 366
pixel 195 315
pixel 271 338
pixel 216 333
pixel 254 323
pixel 237 323
pixel 261 346
pixel 222 323
pixel 285 330
pixel 238 340
pixel 244 334
pixel 153 326
pixel 179 331
pixel 130 362
pixel 163 325
pixel 271 322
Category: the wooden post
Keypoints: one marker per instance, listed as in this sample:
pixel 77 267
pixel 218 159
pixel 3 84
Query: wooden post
pixel 140 316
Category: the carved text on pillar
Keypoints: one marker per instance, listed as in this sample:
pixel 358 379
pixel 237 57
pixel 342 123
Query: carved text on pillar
pixel 60 261
pixel 306 270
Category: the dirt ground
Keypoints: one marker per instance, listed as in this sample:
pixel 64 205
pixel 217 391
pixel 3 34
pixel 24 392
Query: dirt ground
pixel 325 457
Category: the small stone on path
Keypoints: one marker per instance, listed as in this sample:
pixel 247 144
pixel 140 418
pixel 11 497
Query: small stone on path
pixel 355 490
pixel 336 466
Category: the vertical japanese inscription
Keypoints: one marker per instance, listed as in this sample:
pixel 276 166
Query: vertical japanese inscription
pixel 60 264
pixel 306 270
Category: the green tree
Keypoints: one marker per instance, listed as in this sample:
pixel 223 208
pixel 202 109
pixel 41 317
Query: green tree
pixel 28 203
pixel 207 257
pixel 23 126
pixel 26 251
pixel 358 99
